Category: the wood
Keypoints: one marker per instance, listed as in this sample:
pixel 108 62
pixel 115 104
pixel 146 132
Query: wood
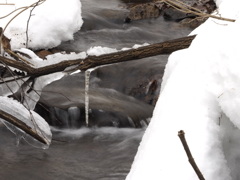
pixel 90 62
pixel 181 135
pixel 21 125
pixel 7 4
pixel 5 41
pixel 93 61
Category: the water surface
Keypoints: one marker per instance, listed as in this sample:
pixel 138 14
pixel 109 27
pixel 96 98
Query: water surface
pixel 96 153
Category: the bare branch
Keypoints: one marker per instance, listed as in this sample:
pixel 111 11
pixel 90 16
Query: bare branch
pixel 166 47
pixel 21 125
pixel 188 9
pixel 181 135
pixel 29 21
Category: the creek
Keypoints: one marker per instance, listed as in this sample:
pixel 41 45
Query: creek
pixel 118 95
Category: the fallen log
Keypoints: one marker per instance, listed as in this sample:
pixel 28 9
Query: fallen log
pixel 90 62
pixel 166 47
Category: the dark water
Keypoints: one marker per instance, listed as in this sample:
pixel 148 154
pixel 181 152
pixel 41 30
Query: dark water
pixel 128 89
pixel 87 154
pixel 117 92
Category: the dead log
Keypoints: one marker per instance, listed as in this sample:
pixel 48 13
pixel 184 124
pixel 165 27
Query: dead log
pixel 166 47
pixel 21 125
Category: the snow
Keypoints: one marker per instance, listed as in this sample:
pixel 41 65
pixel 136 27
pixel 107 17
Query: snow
pixel 200 91
pixel 32 120
pixel 48 27
pixel 200 94
pixel 50 59
pixel 98 50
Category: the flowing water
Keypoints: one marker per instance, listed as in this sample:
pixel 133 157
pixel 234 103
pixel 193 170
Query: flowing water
pixel 119 95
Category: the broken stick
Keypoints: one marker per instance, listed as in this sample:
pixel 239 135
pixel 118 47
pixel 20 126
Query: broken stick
pixel 181 135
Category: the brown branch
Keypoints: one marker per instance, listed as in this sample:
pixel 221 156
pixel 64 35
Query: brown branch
pixel 29 21
pixel 21 125
pixel 181 135
pixel 166 47
pixel 188 9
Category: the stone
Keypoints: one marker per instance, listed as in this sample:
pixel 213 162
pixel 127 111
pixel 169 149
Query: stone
pixel 143 11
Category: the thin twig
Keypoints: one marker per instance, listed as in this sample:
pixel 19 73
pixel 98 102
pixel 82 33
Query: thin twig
pixel 25 106
pixel 24 9
pixel 29 21
pixel 181 135
pixel 188 9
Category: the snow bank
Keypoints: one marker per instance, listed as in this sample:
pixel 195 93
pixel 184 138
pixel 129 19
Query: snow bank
pixel 47 28
pixel 201 95
pixel 52 22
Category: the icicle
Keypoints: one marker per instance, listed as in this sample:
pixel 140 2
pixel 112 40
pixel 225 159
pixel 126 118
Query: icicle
pixel 87 77
pixel 18 138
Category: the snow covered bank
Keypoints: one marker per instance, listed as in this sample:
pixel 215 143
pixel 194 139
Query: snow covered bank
pixel 47 28
pixel 201 95
pixel 51 23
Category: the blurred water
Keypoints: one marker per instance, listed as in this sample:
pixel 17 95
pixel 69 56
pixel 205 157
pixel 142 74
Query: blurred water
pixel 104 26
pixel 123 88
pixel 118 94
pixel 83 154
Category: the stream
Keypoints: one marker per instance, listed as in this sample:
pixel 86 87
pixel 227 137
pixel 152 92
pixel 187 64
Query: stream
pixel 119 95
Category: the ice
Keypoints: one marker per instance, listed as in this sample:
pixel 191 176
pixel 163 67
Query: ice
pixel 30 118
pixel 8 88
pixel 87 77
pixel 31 98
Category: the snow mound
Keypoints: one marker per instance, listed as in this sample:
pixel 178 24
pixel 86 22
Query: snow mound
pixel 48 27
pixel 201 95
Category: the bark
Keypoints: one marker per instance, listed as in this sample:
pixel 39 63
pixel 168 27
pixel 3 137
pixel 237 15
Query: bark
pixel 166 47
pixel 90 62
pixel 21 125
pixel 181 135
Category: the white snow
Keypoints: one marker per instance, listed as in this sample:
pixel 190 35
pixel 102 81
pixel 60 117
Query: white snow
pixel 201 95
pixel 50 59
pixel 98 50
pixel 32 120
pixel 139 45
pixel 51 22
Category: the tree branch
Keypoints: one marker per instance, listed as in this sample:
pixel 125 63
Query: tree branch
pixel 181 135
pixel 166 47
pixel 21 125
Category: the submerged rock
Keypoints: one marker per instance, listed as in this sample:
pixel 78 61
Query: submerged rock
pixel 143 11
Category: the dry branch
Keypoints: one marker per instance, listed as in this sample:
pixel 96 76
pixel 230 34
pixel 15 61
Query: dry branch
pixel 181 135
pixel 166 47
pixel 90 62
pixel 21 125
pixel 176 4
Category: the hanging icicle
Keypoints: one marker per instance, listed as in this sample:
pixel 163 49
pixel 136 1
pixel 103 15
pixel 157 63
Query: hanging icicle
pixel 87 77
